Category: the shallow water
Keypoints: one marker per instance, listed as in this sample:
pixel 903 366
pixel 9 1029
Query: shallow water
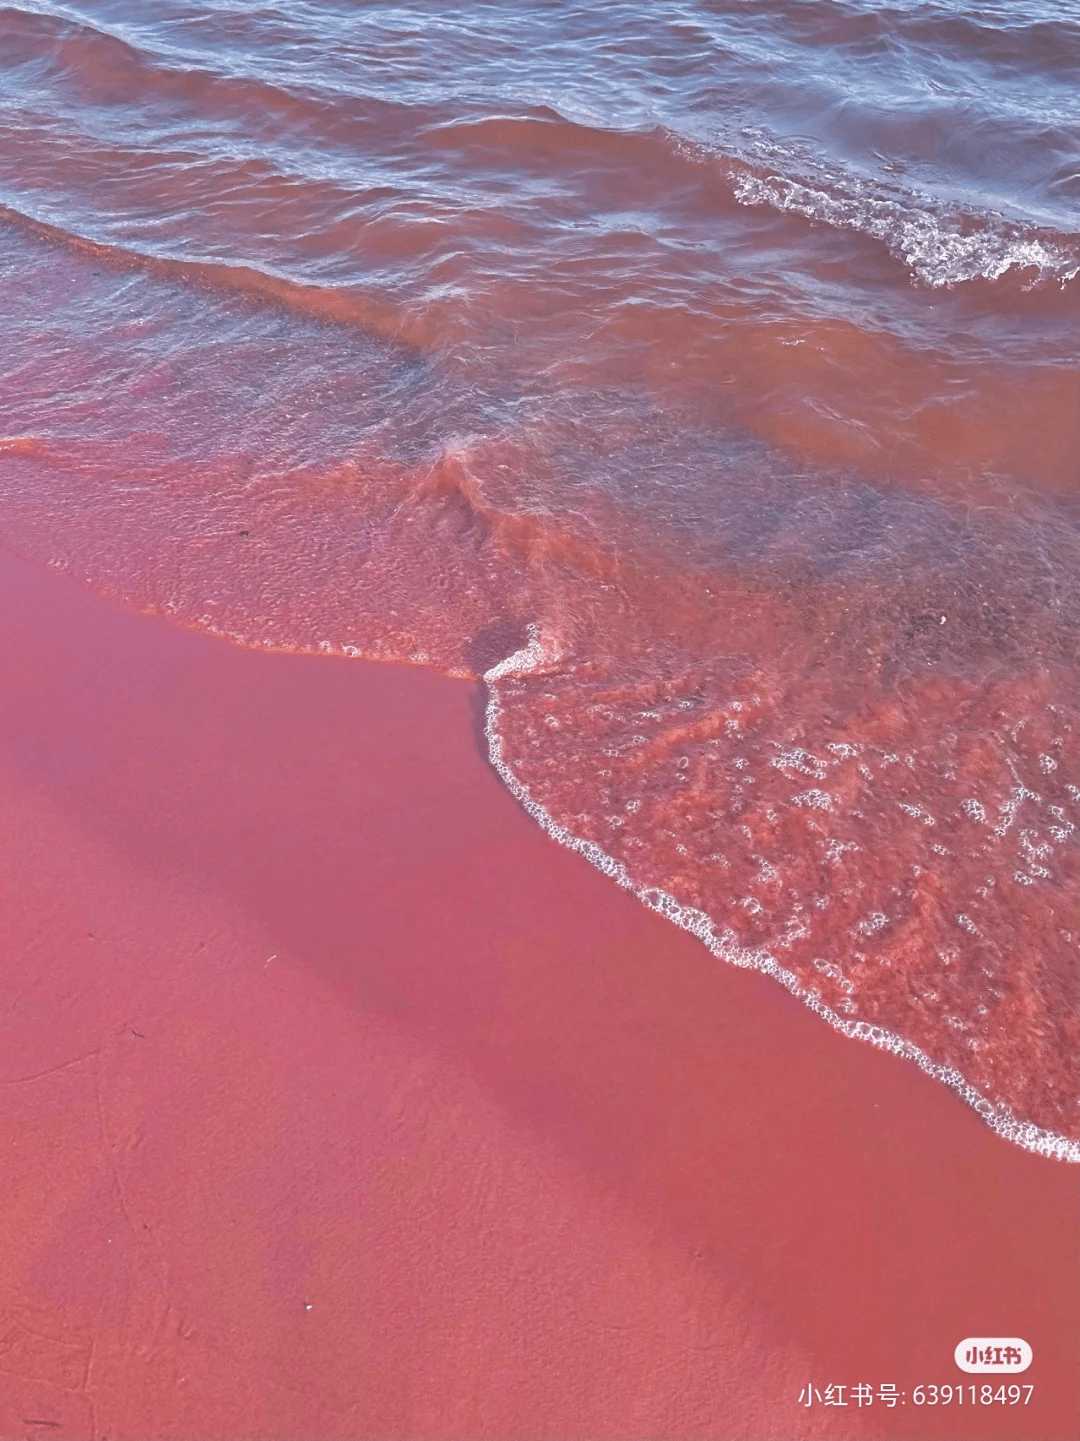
pixel 728 352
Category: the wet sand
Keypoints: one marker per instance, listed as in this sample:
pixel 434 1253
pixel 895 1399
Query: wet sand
pixel 339 1101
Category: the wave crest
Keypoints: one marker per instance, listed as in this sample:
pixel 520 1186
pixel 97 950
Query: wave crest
pixel 941 249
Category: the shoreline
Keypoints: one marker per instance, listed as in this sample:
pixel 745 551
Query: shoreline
pixel 347 1104
pixel 997 1115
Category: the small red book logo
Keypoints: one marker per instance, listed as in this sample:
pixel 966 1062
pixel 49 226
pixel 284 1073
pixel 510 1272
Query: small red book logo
pixel 997 1354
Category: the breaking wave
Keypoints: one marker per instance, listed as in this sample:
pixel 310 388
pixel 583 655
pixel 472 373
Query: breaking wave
pixel 940 248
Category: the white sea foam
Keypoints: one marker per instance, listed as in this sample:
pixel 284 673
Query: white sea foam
pixel 540 651
pixel 817 799
pixel 939 248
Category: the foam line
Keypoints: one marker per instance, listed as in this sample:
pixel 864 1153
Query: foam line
pixel 724 945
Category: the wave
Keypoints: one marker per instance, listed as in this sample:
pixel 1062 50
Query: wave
pixel 88 65
pixel 1010 41
pixel 542 651
pixel 642 694
pixel 939 247
pixel 331 304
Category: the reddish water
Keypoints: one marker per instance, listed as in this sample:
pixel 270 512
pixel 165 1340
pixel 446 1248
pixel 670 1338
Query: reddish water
pixel 733 354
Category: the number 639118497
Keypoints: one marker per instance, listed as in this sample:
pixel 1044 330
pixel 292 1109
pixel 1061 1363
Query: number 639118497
pixel 984 1395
